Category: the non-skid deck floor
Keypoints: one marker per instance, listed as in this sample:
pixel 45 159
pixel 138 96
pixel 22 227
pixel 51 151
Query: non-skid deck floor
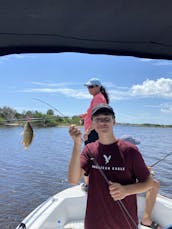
pixel 76 224
pixel 79 224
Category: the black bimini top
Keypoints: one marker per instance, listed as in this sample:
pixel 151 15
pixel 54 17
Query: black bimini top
pixel 115 27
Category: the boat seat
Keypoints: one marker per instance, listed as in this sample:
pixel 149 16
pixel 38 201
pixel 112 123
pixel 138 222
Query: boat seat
pixel 74 224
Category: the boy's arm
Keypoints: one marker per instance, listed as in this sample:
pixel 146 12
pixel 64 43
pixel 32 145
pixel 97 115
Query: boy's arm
pixel 118 191
pixel 75 171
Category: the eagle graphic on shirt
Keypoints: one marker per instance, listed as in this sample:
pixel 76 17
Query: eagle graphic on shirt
pixel 107 159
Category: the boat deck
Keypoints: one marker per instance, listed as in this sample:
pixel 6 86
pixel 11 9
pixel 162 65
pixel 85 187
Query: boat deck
pixel 79 224
pixel 76 224
pixel 68 207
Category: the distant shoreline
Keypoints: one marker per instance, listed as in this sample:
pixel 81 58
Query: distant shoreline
pixel 67 125
pixel 145 125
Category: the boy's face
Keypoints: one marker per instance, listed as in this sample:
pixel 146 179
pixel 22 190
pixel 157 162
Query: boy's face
pixel 103 123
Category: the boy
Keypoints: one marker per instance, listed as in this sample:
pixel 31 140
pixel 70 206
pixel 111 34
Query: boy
pixel 113 167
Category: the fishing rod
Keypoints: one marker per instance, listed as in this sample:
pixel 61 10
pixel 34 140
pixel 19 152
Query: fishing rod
pixel 119 202
pixel 157 162
pixel 42 101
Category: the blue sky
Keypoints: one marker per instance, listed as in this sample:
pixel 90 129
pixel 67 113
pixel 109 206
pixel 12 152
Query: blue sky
pixel 140 89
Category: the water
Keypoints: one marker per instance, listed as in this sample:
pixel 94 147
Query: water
pixel 28 177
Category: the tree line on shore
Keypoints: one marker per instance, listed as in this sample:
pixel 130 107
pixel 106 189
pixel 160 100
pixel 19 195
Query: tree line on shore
pixel 9 116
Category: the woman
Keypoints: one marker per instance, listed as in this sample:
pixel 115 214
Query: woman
pixel 100 96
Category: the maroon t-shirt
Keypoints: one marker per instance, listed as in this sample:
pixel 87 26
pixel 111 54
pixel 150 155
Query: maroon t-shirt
pixel 122 163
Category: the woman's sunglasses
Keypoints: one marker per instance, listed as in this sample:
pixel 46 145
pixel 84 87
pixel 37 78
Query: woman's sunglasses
pixel 92 86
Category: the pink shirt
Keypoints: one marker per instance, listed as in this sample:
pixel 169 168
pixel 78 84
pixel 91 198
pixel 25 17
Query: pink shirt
pixel 97 99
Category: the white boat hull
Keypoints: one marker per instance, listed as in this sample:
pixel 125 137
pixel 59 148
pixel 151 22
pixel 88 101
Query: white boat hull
pixel 69 205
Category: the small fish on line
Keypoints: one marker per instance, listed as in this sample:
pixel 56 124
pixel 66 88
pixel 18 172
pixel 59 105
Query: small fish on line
pixel 27 135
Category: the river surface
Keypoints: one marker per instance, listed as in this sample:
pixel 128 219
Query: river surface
pixel 29 177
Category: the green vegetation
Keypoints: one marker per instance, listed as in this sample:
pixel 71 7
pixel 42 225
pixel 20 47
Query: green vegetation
pixel 10 117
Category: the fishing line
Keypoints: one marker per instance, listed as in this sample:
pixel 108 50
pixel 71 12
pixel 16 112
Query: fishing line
pixel 42 101
pixel 124 210
pixel 157 162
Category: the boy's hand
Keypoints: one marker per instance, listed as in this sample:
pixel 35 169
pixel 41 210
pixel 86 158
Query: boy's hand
pixel 75 133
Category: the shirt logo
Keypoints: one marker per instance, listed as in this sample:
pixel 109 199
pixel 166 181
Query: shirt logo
pixel 107 159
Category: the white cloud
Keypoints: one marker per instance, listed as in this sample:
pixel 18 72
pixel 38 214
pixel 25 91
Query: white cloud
pixel 80 94
pixel 19 56
pixel 160 88
pixel 152 106
pixel 156 62
pixel 49 84
pixel 118 95
pixel 145 60
pixel 15 56
pixel 162 63
pixel 115 93
pixel 3 59
pixel 166 108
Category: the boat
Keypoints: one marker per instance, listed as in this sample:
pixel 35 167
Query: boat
pixel 68 209
pixel 125 28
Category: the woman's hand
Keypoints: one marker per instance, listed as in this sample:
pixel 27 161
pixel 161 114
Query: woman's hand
pixel 83 115
pixel 85 136
pixel 87 132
